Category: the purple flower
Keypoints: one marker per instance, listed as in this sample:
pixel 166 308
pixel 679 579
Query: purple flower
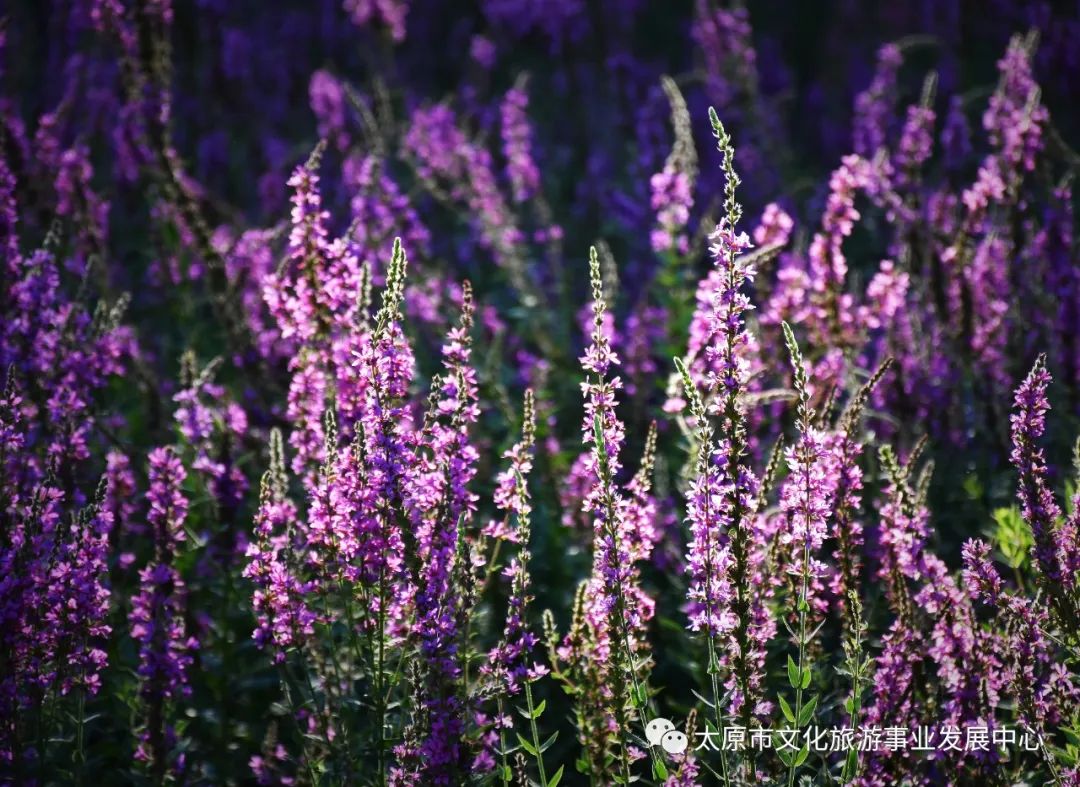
pixel 874 106
pixel 327 98
pixel 391 13
pixel 1014 117
pixel 915 145
pixel 517 144
pixel 284 619
pixel 724 38
pixel 509 661
pixel 158 612
pixel 1040 510
pixel 672 199
pixel 956 135
pixel 1026 651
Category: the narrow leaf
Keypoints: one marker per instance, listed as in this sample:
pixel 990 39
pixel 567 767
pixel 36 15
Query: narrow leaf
pixel 850 764
pixel 527 746
pixel 787 710
pixel 807 712
pixel 792 672
pixel 547 744
pixel 554 780
pixel 800 758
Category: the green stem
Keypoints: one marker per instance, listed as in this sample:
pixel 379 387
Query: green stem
pixel 380 689
pixel 535 732
pixel 802 606
pixel 638 698
pixel 502 748
pixel 284 677
pixel 714 678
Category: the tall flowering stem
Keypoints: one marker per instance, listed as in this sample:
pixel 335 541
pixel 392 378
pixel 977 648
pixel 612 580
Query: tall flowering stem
pixel 856 667
pixel 612 561
pixel 439 502
pixel 1026 643
pixel 508 661
pixel 845 450
pixel 384 366
pixel 805 500
pixel 518 637
pixel 157 614
pixel 730 379
pixel 724 494
pixel 1038 506
pixel 708 561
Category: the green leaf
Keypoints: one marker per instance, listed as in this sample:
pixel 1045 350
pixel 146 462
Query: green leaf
pixel 1072 735
pixel 807 712
pixel 850 764
pixel 792 672
pixel 581 765
pixel 1060 755
pixel 803 606
pixel 539 709
pixel 800 758
pixel 805 677
pixel 849 706
pixel 507 774
pixel 547 744
pixel 1012 536
pixel 554 780
pixel 527 746
pixel 659 770
pixel 640 696
pixel 785 756
pixel 786 709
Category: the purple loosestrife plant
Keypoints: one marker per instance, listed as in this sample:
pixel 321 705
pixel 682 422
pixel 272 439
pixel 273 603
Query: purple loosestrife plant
pixel 708 561
pixel 54 603
pixel 844 451
pixel 508 663
pixel 158 618
pixel 874 106
pixel 1025 645
pixel 729 380
pixel 673 187
pixel 805 499
pixel 617 612
pixel 723 496
pixel 1052 555
pixel 283 618
pixel 521 170
pixel 440 502
pixel 57 356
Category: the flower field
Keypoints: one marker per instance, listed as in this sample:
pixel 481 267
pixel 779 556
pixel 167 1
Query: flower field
pixel 411 392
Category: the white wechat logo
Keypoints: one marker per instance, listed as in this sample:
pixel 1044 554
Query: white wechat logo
pixel 662 733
